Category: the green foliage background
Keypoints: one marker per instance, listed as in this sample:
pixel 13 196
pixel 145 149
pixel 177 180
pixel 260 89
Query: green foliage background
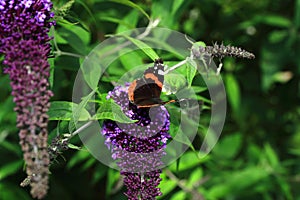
pixel 257 156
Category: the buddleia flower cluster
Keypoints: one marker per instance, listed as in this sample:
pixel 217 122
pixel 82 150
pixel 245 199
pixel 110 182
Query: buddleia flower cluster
pixel 206 54
pixel 24 41
pixel 221 51
pixel 138 147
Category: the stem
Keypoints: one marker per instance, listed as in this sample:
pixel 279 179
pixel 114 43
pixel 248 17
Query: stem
pixel 80 129
pixel 62 53
pixel 176 66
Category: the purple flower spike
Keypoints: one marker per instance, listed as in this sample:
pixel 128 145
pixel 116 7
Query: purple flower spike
pixel 138 147
pixel 24 27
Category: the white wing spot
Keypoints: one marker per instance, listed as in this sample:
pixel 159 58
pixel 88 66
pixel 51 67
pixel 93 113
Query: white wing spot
pixel 160 72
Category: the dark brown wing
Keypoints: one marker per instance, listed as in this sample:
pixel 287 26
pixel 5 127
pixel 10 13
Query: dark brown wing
pixel 145 92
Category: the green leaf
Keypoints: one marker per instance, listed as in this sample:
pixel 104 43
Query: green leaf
pixel 132 5
pixel 166 185
pixel 63 110
pixel 163 44
pixel 198 89
pixel 72 146
pixel 285 187
pixel 79 109
pixel 143 46
pixel 270 64
pixel 63 10
pixel 180 194
pixel 194 177
pixel 199 44
pixel 86 7
pixel 274 20
pixel 233 92
pixel 10 168
pixel 176 5
pixel 113 176
pixel 117 21
pixel 187 161
pixel 12 147
pixel 11 191
pixel 59 39
pixel 110 110
pixel 79 156
pixel 99 173
pixel 278 36
pixel 228 147
pixel 191 70
pixel 180 136
pixel 236 182
pixel 271 156
pixel 92 70
pixel 128 22
pixel 77 37
pixel 174 82
pixel 51 78
pixel 162 10
pixel 282 77
pixel 295 151
pixel 130 60
pixel 297 14
pixel 88 164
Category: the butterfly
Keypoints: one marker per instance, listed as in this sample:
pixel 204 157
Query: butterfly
pixel 145 92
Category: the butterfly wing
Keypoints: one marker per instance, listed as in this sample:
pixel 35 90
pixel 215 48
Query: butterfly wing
pixel 145 92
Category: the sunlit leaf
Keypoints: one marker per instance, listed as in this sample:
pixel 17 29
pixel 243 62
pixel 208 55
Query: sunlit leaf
pixel 111 110
pixel 228 147
pixel 63 110
pixel 117 21
pixel 113 176
pixel 131 60
pixel 76 36
pixel 78 157
pixel 233 92
pixel 174 82
pixel 195 177
pixel 236 182
pixel 297 14
pixel 191 70
pixel 179 195
pixel 133 5
pixel 13 191
pixel 166 185
pixel 51 78
pixel 128 22
pixel 187 161
pixel 271 156
pixel 79 109
pixel 144 47
pixel 10 168
pixel 176 6
pixel 274 20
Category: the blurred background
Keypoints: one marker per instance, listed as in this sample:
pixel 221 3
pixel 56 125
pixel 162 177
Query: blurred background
pixel 257 156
